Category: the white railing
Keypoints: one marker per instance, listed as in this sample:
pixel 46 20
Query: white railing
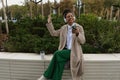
pixel 28 66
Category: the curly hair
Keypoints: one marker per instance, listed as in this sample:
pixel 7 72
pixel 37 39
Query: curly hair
pixel 65 12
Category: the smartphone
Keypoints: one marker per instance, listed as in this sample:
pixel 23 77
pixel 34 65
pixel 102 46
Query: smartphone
pixel 74 27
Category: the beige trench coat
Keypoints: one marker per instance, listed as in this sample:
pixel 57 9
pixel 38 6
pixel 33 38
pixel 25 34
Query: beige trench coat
pixel 76 57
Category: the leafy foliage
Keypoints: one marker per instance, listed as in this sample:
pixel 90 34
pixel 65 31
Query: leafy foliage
pixel 31 35
pixel 101 35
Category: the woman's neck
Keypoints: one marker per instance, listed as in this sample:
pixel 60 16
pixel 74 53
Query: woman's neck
pixel 70 24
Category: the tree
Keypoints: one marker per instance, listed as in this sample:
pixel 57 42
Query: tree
pixel 47 8
pixel 18 11
pixel 29 6
pixel 66 4
pixel 5 17
pixel 36 6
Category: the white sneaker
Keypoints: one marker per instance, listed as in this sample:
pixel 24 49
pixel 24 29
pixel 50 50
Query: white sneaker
pixel 42 78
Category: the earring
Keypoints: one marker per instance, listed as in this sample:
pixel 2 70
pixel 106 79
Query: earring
pixel 65 20
pixel 74 18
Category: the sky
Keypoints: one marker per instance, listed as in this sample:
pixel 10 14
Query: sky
pixel 20 2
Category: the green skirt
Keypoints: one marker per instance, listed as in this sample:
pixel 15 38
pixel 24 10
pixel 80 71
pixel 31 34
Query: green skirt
pixel 56 66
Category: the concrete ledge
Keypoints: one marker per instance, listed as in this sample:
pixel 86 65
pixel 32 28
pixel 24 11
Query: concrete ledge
pixel 30 66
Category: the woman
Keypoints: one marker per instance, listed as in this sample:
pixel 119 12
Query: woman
pixel 71 37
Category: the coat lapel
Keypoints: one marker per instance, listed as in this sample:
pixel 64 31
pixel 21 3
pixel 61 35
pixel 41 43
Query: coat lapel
pixel 63 38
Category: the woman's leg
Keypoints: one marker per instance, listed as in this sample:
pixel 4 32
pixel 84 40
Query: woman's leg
pixel 56 66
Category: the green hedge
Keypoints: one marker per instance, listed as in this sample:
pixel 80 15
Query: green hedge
pixel 102 36
pixel 31 35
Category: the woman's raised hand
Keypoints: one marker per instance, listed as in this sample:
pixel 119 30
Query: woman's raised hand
pixel 49 19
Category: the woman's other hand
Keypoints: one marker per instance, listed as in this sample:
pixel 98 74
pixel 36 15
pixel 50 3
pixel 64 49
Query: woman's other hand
pixel 76 31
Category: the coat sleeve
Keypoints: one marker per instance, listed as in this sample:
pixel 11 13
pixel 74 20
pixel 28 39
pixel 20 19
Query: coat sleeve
pixel 52 31
pixel 81 36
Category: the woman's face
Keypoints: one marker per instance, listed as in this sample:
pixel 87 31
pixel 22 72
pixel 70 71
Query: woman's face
pixel 70 18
